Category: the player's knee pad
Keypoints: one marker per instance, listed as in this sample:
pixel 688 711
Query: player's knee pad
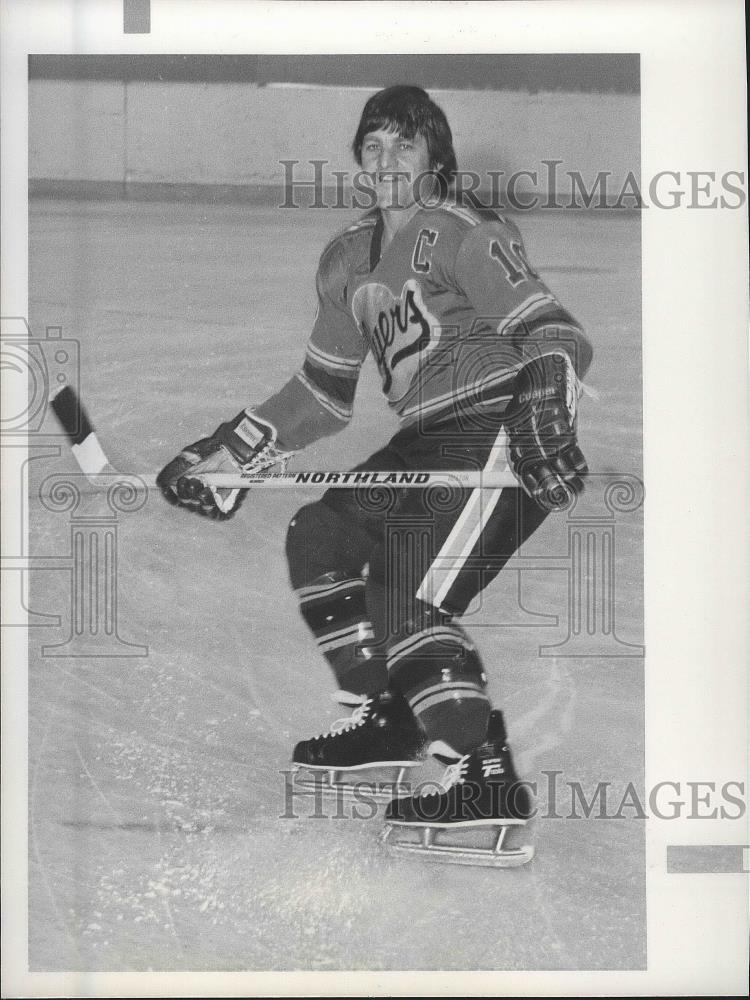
pixel 439 672
pixel 310 543
pixel 321 539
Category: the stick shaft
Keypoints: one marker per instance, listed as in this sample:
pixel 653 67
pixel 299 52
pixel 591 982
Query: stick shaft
pixel 452 479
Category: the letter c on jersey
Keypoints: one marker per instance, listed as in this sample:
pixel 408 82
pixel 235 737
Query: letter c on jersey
pixel 419 261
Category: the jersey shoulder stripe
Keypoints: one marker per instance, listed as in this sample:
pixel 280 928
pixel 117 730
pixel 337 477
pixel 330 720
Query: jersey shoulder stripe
pixel 474 215
pixel 338 253
pixel 362 227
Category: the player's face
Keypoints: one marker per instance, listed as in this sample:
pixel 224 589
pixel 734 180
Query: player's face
pixel 395 163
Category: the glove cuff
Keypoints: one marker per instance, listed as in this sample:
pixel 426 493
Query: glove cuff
pixel 253 431
pixel 251 441
pixel 548 376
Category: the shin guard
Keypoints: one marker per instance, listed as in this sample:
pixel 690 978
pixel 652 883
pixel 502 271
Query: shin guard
pixel 334 608
pixel 439 672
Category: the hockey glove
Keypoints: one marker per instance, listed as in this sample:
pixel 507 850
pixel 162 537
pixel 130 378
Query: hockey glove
pixel 541 424
pixel 245 444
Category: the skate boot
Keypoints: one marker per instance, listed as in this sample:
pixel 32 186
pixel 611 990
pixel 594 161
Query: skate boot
pixel 374 746
pixel 481 795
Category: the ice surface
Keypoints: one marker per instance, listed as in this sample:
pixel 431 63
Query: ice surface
pixel 155 838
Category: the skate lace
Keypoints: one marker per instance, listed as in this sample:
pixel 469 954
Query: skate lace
pixel 453 774
pixel 357 718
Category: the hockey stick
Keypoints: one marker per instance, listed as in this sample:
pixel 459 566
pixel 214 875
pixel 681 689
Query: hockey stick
pixel 95 465
pixel 455 478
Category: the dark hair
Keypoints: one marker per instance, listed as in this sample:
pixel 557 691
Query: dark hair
pixel 410 111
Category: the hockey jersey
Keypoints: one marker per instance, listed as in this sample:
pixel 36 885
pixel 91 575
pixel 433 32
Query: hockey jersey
pixel 450 310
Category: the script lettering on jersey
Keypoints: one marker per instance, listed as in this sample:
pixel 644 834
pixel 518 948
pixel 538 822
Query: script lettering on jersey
pixel 420 261
pixel 399 330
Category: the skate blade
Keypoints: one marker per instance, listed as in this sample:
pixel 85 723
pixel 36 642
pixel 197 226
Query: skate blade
pixel 313 781
pixel 427 847
pixel 510 857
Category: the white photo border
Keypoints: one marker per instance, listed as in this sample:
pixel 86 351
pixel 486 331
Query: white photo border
pixel 695 322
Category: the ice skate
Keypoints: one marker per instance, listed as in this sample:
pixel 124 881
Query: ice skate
pixel 481 798
pixel 369 750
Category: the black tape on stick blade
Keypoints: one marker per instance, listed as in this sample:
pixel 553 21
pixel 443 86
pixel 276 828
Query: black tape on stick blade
pixel 84 443
pixel 73 419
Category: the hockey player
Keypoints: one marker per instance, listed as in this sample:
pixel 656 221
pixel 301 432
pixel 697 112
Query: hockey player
pixel 481 364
